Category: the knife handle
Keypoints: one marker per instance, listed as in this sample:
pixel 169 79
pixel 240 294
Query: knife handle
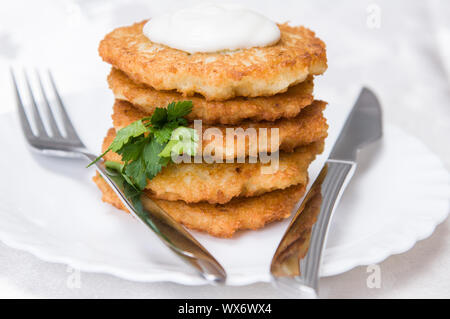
pixel 338 175
pixel 299 274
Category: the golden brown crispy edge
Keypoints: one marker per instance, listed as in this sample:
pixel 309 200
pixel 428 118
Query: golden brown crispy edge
pixel 309 126
pixel 222 220
pixel 263 108
pixel 221 182
pixel 217 76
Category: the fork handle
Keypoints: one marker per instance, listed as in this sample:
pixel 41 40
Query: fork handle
pixel 171 233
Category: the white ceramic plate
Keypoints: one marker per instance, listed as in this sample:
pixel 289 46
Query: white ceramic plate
pixel 50 207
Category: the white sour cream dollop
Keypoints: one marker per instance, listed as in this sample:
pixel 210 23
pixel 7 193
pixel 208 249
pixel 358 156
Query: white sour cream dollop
pixel 212 27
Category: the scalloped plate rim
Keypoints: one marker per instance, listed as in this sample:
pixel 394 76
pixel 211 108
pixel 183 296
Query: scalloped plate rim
pixel 238 279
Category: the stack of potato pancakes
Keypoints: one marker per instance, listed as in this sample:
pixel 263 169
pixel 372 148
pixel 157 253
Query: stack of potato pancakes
pixel 262 87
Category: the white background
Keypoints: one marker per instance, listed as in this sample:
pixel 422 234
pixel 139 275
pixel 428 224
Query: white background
pixel 406 60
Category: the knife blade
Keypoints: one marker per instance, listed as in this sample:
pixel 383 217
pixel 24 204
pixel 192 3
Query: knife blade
pixel 296 262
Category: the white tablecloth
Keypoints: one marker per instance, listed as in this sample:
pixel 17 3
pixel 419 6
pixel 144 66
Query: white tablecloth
pixel 400 49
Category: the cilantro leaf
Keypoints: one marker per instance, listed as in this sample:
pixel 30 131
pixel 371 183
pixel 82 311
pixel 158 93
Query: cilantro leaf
pixel 177 110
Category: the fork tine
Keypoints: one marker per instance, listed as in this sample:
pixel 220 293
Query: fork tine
pixel 70 130
pixel 36 115
pixel 51 118
pixel 23 116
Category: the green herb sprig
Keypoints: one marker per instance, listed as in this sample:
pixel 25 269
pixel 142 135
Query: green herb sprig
pixel 146 145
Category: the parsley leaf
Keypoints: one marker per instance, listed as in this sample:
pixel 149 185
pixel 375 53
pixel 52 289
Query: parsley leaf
pixel 115 166
pixel 177 110
pixel 114 171
pixel 163 134
pixel 153 163
pixel 147 144
pixel 132 150
pixel 124 135
pixel 135 170
pixel 183 140
pixel 182 121
pixel 159 117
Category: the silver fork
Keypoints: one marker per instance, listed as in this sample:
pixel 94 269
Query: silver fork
pixel 70 145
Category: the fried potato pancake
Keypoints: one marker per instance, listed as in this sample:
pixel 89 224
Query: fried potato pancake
pixel 259 71
pixel 234 111
pixel 218 183
pixel 309 126
pixel 221 220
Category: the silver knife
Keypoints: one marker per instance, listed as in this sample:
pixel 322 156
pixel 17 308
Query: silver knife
pixel 295 265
